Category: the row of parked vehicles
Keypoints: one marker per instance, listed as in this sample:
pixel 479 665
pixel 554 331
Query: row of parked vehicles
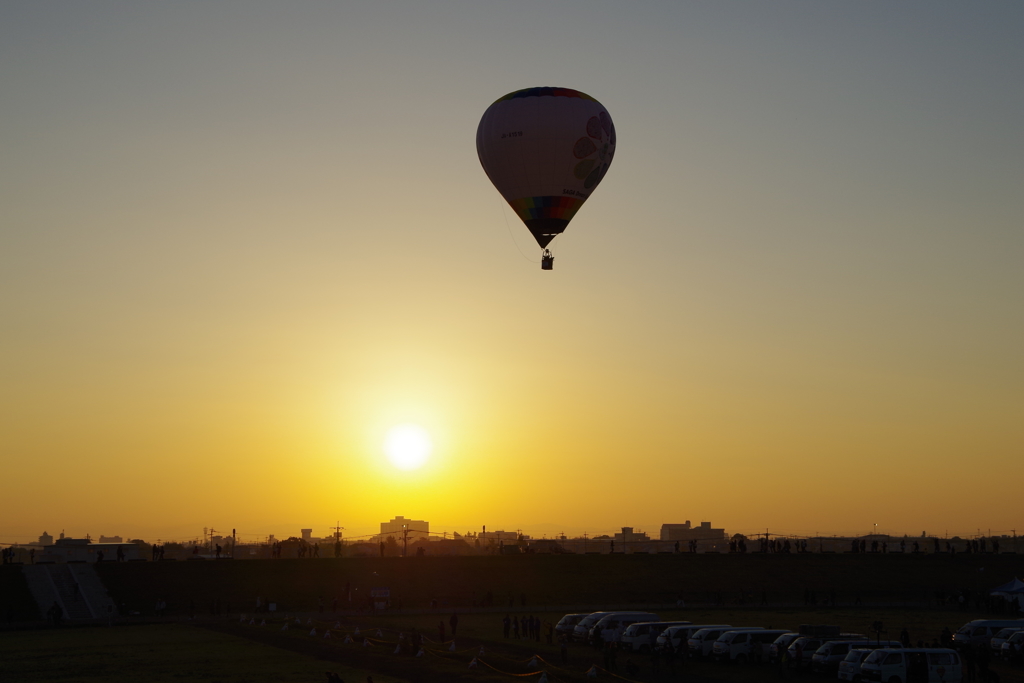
pixel 850 656
pixel 1004 637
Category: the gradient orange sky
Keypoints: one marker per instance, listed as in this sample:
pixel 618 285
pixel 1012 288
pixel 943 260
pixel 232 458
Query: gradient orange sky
pixel 240 241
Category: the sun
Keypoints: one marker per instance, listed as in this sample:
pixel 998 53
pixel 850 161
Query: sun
pixel 408 446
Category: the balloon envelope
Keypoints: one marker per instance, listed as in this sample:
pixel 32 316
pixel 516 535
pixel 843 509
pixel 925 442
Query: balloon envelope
pixel 546 150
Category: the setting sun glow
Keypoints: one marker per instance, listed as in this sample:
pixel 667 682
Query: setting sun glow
pixel 408 446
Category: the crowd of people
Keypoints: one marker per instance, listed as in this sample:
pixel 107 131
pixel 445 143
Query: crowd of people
pixel 527 628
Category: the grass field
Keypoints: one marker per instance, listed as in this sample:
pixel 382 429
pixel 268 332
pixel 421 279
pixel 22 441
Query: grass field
pixel 895 589
pixel 227 650
pixel 156 653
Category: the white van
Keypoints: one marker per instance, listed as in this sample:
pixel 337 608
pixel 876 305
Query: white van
pixel 639 636
pixel 581 630
pixel 912 665
pixel 980 631
pixel 849 668
pixel 830 654
pixel 781 643
pixel 996 643
pixel 674 636
pixel 808 646
pixel 567 623
pixel 702 642
pixel 743 644
pixel 612 624
pixel 1013 647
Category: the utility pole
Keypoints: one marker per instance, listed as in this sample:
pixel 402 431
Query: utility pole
pixel 337 538
pixel 584 542
pixel 234 541
pixel 405 540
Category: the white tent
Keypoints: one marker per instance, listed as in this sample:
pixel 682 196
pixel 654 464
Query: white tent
pixel 1015 587
pixel 1013 591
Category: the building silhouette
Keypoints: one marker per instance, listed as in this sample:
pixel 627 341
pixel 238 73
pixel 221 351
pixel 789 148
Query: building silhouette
pixel 396 529
pixel 685 532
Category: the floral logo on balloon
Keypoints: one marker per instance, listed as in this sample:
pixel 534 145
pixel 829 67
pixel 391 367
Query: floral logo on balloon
pixel 595 156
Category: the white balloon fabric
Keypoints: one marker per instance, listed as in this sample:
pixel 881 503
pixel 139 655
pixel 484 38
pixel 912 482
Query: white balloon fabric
pixel 545 150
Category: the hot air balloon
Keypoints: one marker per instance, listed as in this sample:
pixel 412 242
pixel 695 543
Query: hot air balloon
pixel 546 150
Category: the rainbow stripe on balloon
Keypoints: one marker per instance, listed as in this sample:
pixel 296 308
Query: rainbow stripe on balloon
pixel 561 208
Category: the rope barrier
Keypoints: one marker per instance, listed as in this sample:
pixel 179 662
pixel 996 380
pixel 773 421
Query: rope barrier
pixel 510 659
pixel 455 652
pixel 560 668
pixel 532 673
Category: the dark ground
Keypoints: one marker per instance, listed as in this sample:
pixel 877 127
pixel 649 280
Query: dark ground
pixel 898 590
pixel 297 584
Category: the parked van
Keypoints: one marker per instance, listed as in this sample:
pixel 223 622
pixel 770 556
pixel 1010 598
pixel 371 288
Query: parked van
pixel 912 665
pixel 849 668
pixel 830 654
pixel 567 623
pixel 1013 647
pixel 612 624
pixel 581 630
pixel 638 637
pixel 781 643
pixel 996 642
pixel 701 643
pixel 808 645
pixel 742 645
pixel 980 631
pixel 674 636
